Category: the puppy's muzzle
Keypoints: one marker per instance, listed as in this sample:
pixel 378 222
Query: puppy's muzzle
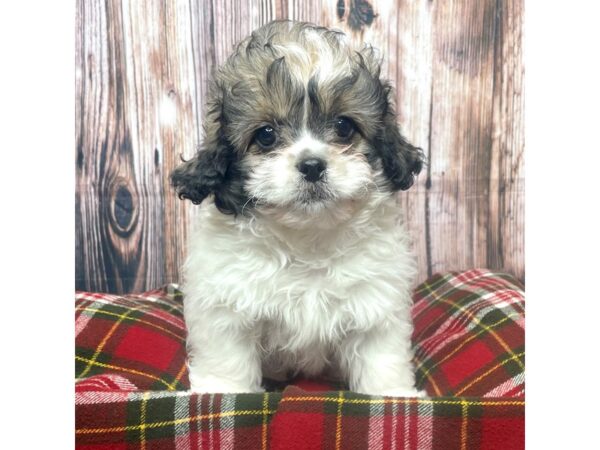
pixel 312 169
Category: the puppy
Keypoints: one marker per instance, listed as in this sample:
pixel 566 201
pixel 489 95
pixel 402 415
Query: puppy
pixel 299 263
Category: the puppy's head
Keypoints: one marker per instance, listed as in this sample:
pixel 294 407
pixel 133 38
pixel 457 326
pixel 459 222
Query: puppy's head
pixel 299 126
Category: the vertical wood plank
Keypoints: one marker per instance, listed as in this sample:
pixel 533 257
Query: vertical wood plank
pixel 140 43
pixel 178 110
pixel 506 246
pixel 461 133
pixel 81 245
pixel 137 114
pixel 411 72
pixel 92 36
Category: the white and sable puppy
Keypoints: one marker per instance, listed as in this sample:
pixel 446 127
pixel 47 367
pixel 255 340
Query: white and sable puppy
pixel 300 263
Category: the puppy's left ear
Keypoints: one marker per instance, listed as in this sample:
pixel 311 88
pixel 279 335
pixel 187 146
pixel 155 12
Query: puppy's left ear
pixel 401 161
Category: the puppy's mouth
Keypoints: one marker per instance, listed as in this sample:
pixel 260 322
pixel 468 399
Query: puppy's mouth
pixel 310 193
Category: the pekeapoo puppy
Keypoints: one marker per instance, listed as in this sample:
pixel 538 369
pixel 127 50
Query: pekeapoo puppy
pixel 300 263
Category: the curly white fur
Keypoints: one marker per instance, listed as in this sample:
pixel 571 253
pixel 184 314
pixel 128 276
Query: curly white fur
pixel 264 299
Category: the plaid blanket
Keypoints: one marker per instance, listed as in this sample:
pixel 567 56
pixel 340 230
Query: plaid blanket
pixel 131 380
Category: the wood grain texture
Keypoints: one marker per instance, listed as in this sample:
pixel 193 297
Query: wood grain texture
pixel 506 232
pixel 461 133
pixel 136 113
pixel 142 72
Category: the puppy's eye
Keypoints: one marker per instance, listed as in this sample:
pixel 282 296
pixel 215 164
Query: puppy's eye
pixel 265 136
pixel 344 127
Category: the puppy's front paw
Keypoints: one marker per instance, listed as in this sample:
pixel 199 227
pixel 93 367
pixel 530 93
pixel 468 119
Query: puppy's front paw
pixel 403 392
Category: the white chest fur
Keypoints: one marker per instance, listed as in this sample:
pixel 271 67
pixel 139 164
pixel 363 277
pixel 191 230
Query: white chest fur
pixel 298 294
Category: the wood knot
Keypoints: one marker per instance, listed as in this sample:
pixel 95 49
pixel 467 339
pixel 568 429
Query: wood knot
pixel 359 14
pixel 341 9
pixel 123 209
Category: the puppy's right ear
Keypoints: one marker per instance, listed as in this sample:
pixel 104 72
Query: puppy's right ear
pixel 213 169
pixel 202 175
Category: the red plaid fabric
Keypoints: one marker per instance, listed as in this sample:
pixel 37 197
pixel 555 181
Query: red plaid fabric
pixel 130 343
pixel 131 380
pixel 344 420
pixel 469 335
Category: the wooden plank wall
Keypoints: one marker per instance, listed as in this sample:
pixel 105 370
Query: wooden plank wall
pixel 141 79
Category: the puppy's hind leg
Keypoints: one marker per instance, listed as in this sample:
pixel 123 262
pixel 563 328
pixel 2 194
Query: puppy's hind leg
pixel 223 355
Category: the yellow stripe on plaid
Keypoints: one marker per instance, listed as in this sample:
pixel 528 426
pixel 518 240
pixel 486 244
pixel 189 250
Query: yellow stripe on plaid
pixel 143 421
pixel 167 423
pixel 487 372
pixel 264 423
pixel 171 387
pixel 104 341
pixel 476 321
pixel 338 421
pixel 426 372
pixel 133 319
pixel 180 374
pixel 463 426
pixel 433 401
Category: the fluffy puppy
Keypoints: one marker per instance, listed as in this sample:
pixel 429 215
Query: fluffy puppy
pixel 300 263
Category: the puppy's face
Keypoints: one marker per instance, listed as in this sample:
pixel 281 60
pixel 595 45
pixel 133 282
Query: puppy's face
pixel 299 127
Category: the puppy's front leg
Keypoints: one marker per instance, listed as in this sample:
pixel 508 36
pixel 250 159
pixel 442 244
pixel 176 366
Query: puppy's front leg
pixel 223 354
pixel 379 362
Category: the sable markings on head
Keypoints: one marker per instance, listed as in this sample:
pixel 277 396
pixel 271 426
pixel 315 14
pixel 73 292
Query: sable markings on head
pixel 262 84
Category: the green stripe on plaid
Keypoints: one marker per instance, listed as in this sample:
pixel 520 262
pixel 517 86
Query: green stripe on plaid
pixel 163 418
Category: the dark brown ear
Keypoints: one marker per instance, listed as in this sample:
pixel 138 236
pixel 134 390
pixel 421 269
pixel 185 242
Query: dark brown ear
pixel 215 169
pixel 401 161
pixel 202 175
pixel 212 171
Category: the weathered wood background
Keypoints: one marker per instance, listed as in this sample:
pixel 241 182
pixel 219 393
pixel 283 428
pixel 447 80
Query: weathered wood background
pixel 141 79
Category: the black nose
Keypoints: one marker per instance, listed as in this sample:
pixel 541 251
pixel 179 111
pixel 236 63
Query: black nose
pixel 312 168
